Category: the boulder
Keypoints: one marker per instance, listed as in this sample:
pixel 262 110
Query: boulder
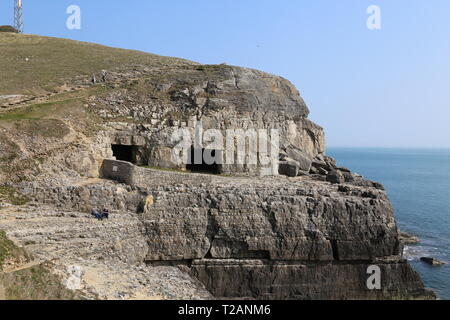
pixel 335 176
pixel 361 182
pixel 432 261
pixel 377 185
pixel 406 238
pixel 313 170
pixel 330 161
pixel 303 159
pixel 348 176
pixel 289 168
pixel 320 164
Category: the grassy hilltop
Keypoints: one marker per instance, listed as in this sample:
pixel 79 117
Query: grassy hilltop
pixel 29 63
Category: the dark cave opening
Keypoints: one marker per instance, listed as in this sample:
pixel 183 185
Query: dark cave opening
pixel 197 163
pixel 124 153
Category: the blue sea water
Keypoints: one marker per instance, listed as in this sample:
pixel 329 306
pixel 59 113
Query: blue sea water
pixel 418 183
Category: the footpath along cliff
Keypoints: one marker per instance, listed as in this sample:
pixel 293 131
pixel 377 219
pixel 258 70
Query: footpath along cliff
pixel 71 141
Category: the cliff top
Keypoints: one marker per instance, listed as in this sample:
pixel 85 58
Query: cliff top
pixel 31 62
pixel 36 67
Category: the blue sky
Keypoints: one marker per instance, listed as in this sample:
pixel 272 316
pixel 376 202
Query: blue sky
pixel 379 88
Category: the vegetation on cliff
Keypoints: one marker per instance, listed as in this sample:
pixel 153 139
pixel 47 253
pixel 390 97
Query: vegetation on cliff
pixel 51 60
pixel 20 280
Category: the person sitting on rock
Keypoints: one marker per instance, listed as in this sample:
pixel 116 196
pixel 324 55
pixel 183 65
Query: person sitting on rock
pixel 104 74
pixel 96 214
pixel 105 214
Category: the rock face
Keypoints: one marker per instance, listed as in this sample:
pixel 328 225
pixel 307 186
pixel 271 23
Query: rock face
pixel 243 232
pixel 213 97
pixel 272 238
pixel 315 281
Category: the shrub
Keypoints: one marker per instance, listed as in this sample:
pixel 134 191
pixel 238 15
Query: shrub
pixel 8 29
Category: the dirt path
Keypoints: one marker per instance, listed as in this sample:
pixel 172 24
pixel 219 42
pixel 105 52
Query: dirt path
pixel 19 101
pixel 24 266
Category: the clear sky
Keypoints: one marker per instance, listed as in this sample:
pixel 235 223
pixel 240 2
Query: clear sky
pixel 371 88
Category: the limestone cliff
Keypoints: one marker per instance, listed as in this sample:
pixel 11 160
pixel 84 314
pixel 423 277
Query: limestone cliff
pixel 307 230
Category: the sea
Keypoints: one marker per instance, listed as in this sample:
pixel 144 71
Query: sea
pixel 418 183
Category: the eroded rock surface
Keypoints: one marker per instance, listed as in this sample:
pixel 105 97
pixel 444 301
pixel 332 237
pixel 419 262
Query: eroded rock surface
pixel 99 259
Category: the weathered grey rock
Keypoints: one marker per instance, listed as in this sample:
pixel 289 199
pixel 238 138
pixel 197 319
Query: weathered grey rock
pixel 348 176
pixel 320 167
pixel 406 238
pixel 289 167
pixel 303 281
pixel 330 162
pixel 359 181
pixel 335 176
pixel 107 256
pixel 432 261
pixel 304 160
pixel 220 97
pixel 270 230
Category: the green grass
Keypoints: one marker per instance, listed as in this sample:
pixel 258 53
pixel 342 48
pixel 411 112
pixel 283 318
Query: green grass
pixel 12 196
pixel 44 119
pixel 8 250
pixel 35 283
pixel 49 128
pixel 33 112
pixel 51 60
pixel 8 149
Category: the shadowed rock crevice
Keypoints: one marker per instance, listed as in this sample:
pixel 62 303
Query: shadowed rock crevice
pixel 335 249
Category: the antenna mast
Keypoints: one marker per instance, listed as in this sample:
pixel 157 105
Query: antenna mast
pixel 18 16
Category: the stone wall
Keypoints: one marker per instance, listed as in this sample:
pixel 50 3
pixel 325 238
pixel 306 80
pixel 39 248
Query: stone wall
pixel 146 178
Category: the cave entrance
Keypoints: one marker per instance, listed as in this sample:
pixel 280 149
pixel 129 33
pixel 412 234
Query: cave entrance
pixel 124 153
pixel 196 161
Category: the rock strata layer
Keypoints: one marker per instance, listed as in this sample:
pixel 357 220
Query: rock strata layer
pixel 276 238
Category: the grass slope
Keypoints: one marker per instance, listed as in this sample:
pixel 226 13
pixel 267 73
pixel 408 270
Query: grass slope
pixel 33 283
pixel 30 62
pixel 9 251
